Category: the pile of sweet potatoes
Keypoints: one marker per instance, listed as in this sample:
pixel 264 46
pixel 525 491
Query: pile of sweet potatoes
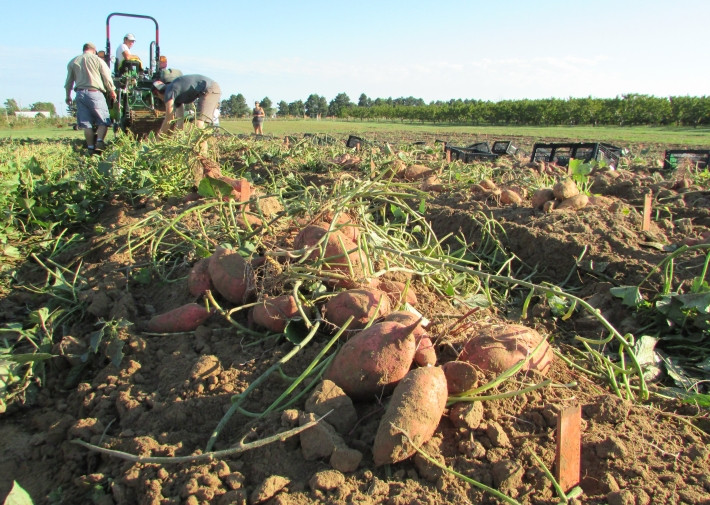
pixel 225 272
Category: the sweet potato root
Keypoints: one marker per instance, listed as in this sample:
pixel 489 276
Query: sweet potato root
pixel 396 289
pixel 275 313
pixel 373 360
pixel 185 318
pixel 232 276
pixel 416 407
pixel 497 348
pixel 460 376
pixel 340 254
pixel 198 280
pixel 424 354
pixel 362 304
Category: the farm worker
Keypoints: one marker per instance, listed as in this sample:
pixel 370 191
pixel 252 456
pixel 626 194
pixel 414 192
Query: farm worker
pixel 91 78
pixel 186 89
pixel 258 119
pixel 124 51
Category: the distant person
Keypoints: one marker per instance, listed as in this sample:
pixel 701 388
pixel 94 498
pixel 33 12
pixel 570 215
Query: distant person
pixel 91 78
pixel 124 51
pixel 258 119
pixel 187 89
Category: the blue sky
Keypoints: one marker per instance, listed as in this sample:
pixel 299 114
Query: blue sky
pixel 435 50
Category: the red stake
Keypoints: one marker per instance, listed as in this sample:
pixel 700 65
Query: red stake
pixel 569 447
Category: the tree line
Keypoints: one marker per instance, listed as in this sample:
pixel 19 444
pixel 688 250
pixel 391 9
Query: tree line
pixel 11 106
pixel 625 110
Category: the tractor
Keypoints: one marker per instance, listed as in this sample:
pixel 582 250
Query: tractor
pixel 136 108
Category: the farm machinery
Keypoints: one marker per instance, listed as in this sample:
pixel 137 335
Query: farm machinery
pixel 136 108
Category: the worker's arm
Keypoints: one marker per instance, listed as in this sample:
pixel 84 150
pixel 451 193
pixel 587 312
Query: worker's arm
pixel 107 80
pixel 69 83
pixel 169 116
pixel 180 115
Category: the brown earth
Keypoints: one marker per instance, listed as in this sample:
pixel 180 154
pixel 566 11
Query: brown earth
pixel 170 392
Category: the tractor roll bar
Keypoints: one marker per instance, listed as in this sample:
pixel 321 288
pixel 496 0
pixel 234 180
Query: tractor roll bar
pixel 107 57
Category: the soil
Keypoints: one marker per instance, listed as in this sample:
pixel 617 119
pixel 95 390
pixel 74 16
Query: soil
pixel 168 393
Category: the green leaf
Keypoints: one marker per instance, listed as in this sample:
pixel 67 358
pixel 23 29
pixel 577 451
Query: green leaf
pixel 630 295
pixel 295 331
pixel 115 351
pixel 143 276
pixel 27 357
pixel 213 188
pixel 422 206
pixel 18 496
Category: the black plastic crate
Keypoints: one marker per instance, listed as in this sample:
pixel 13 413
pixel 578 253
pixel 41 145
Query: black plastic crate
pixel 479 147
pixel 468 155
pixel 561 153
pixel 354 141
pixel 674 158
pixel 501 147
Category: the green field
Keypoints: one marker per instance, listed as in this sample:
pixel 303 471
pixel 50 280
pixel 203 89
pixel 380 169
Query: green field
pixel 677 136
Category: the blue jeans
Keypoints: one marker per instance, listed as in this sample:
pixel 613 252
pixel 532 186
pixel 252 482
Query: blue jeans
pixel 91 109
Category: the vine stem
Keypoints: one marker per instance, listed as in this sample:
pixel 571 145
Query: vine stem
pixel 163 460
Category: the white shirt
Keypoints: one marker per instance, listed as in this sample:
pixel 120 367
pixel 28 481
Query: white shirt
pixel 119 54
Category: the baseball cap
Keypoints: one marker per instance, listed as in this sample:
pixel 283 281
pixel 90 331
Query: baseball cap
pixel 159 85
pixel 129 36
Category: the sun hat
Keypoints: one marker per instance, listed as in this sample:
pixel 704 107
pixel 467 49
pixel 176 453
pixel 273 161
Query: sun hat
pixel 129 36
pixel 159 85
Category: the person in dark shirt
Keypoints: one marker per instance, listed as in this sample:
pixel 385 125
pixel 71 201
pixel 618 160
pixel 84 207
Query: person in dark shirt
pixel 258 119
pixel 187 89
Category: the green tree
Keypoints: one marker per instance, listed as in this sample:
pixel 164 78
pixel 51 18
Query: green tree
pixel 364 101
pixel 44 106
pixel 316 105
pixel 11 106
pixel 297 108
pixel 267 106
pixel 337 105
pixel 283 109
pixel 234 106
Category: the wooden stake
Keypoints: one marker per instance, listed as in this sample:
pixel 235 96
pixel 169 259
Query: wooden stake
pixel 647 202
pixel 569 447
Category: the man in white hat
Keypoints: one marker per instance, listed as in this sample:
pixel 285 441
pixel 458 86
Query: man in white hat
pixel 124 52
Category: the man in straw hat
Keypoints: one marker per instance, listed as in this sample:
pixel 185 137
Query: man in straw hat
pixel 91 79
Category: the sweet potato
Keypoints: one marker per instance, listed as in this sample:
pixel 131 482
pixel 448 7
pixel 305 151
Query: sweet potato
pixel 198 280
pixel 416 173
pixel 564 189
pixel 424 354
pixel 510 197
pixel 541 196
pixel 362 304
pixel 340 254
pixel 185 318
pixel 345 225
pixel 416 407
pixel 460 376
pixel 574 202
pixel 373 360
pixel 396 289
pixel 232 276
pixel 275 313
pixel 497 348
